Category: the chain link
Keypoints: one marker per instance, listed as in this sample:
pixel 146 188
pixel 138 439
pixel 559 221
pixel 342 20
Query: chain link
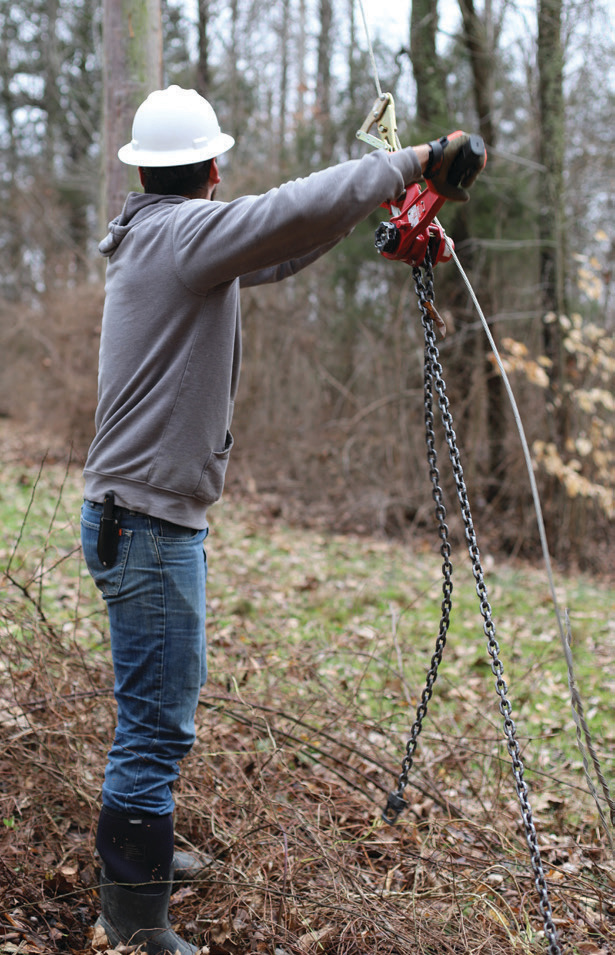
pixel 396 803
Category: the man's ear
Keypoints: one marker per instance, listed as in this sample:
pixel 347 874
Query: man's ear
pixel 141 175
pixel 214 173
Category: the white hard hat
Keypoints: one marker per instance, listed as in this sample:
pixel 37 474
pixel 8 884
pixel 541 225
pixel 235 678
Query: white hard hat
pixel 174 127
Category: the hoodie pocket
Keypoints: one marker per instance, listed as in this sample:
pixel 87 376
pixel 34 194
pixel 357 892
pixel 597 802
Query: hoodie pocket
pixel 211 484
pixel 201 476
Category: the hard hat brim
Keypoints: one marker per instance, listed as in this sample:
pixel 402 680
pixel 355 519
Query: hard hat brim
pixel 177 157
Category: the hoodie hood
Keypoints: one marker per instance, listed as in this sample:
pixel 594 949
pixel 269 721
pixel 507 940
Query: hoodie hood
pixel 137 207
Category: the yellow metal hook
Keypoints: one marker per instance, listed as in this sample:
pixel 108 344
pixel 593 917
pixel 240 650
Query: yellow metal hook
pixel 382 114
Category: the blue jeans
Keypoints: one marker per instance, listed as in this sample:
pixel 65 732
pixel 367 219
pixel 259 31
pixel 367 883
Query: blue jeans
pixel 155 595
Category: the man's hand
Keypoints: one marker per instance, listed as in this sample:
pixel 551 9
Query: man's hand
pixel 454 164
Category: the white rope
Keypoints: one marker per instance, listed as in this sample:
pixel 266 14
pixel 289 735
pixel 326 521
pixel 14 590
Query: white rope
pixel 371 50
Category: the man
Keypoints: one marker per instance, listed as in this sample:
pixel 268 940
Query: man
pixel 169 366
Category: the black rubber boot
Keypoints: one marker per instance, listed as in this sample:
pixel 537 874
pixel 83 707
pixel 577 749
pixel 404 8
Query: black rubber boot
pixel 136 849
pixel 190 866
pixel 135 918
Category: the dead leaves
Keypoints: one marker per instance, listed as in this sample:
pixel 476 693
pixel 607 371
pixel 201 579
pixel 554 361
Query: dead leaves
pixel 321 643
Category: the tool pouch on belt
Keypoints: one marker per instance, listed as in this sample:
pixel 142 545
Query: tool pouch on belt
pixel 108 532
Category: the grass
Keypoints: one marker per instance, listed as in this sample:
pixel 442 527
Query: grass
pixel 318 650
pixel 373 608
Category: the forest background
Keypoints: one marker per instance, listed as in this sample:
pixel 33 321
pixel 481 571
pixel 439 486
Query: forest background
pixel 318 640
pixel 329 421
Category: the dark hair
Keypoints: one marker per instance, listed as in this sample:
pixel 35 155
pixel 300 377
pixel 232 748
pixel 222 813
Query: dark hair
pixel 176 180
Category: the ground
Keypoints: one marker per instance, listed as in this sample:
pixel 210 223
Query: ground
pixel 318 647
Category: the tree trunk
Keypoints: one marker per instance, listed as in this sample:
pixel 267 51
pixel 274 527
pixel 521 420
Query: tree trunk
pixel 480 40
pixel 551 156
pixel 236 114
pixel 11 277
pixel 480 35
pixel 429 75
pixel 568 519
pixel 51 65
pixel 51 98
pixel 283 89
pixel 132 41
pixel 323 81
pixel 203 72
pixel 303 127
pixel 301 57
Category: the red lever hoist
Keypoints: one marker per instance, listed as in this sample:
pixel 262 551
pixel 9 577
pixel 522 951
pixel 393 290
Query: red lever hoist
pixel 411 232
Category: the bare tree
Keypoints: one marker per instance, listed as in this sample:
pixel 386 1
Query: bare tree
pixel 11 237
pixel 284 31
pixel 481 34
pixel 429 75
pixel 203 69
pixel 324 80
pixel 132 40
pixel 550 62
pixel 301 57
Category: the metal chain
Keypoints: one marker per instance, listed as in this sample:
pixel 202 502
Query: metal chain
pixel 396 803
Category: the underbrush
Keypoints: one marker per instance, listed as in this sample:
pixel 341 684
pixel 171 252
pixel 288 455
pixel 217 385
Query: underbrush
pixel 318 648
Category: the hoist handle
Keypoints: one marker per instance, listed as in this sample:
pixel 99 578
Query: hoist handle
pixel 468 163
pixel 454 164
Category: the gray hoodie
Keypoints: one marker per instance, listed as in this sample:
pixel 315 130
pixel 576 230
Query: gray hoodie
pixel 170 347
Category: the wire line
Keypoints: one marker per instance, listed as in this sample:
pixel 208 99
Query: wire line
pixel 564 632
pixel 371 50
